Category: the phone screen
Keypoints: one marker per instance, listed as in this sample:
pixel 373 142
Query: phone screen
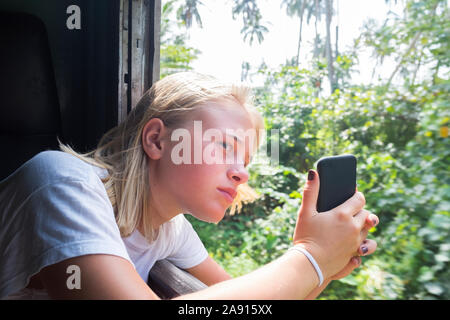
pixel 337 181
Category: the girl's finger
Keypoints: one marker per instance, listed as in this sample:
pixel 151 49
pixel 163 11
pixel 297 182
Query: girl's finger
pixel 372 220
pixel 360 218
pixel 352 206
pixel 352 265
pixel 363 234
pixel 367 247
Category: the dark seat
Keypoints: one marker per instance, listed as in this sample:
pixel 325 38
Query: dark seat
pixel 29 111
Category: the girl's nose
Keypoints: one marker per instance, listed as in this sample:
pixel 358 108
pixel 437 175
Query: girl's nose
pixel 239 175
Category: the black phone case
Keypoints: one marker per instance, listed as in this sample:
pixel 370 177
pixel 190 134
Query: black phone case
pixel 337 181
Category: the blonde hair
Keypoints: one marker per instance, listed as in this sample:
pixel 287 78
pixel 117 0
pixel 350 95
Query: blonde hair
pixel 120 149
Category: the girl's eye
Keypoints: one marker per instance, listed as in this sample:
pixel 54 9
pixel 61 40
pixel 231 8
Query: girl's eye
pixel 226 146
pixel 229 148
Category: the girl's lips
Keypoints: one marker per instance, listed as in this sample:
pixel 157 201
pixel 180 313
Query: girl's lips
pixel 226 195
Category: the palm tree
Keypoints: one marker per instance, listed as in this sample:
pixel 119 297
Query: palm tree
pixel 188 11
pixel 298 8
pixel 251 17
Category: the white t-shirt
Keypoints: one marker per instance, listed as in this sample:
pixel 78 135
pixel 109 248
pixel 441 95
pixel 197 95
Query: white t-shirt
pixel 55 207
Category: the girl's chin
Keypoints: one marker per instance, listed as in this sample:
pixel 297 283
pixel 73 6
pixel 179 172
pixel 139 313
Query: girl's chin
pixel 210 217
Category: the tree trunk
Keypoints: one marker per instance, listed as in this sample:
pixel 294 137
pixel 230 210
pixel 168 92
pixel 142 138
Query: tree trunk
pixel 329 53
pixel 302 10
pixel 411 47
pixel 336 54
pixel 316 40
pixel 299 41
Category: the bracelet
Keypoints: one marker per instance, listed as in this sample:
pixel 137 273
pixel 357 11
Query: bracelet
pixel 312 260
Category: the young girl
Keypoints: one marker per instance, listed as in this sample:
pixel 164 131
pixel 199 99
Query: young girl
pixel 111 213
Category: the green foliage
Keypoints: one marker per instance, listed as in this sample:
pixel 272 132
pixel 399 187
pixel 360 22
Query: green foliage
pixel 176 55
pixel 398 130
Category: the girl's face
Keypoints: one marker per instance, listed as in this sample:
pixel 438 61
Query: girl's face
pixel 196 173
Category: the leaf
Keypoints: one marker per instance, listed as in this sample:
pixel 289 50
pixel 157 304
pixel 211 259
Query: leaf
pixel 426 274
pixel 295 195
pixel 445 247
pixel 434 288
pixel 350 280
pixel 441 258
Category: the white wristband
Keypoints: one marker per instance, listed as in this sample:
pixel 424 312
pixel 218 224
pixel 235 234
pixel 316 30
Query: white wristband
pixel 312 260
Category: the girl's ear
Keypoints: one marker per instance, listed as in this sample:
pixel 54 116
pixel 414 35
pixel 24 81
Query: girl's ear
pixel 152 138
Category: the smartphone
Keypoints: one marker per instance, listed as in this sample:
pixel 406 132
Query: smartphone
pixel 337 176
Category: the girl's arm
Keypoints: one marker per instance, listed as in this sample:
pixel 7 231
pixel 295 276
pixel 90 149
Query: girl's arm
pixel 291 276
pixel 317 291
pixel 110 277
pixel 101 276
pixel 209 272
pixel 280 279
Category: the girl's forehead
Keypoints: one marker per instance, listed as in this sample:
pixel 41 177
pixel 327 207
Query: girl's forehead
pixel 222 114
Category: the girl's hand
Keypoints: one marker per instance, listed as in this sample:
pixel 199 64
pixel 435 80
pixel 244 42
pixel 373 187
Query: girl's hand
pixel 371 245
pixel 332 237
pixel 366 248
pixel 355 261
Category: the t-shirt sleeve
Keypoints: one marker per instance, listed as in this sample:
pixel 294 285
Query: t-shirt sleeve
pixel 58 221
pixel 189 250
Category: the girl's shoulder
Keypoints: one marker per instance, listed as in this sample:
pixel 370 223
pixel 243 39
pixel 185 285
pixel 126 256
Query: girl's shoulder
pixel 50 167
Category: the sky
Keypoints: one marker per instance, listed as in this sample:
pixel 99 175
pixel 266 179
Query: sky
pixel 224 51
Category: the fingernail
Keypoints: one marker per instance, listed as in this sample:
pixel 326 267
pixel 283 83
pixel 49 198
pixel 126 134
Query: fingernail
pixel 310 175
pixel 364 249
